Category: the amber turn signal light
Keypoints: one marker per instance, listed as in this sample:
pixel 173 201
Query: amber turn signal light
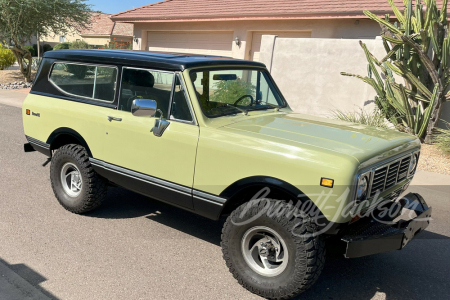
pixel 326 182
pixel 28 112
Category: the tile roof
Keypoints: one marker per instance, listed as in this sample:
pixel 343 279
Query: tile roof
pixel 254 9
pixel 103 25
pixel 123 29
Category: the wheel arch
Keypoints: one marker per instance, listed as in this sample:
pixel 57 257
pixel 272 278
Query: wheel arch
pixel 244 189
pixel 63 136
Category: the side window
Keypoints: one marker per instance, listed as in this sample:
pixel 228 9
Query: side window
pixel 180 106
pixel 95 82
pixel 146 84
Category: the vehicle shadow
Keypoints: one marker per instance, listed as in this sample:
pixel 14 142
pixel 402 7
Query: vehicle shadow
pixel 419 271
pixel 18 281
pixel 124 204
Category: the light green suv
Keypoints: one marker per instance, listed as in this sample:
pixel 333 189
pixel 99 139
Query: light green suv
pixel 216 137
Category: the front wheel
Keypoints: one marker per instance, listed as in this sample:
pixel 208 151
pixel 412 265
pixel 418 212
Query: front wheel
pixel 276 256
pixel 76 185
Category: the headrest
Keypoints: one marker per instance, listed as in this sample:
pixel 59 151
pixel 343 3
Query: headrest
pixel 139 78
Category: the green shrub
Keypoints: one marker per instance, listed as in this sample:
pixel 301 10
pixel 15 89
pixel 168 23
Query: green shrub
pixel 228 91
pixel 47 47
pixel 61 46
pixel 441 138
pixel 79 71
pixel 374 119
pixel 31 49
pixel 7 57
pixel 79 45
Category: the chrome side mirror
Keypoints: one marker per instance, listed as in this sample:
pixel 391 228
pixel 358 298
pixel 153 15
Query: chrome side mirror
pixel 143 108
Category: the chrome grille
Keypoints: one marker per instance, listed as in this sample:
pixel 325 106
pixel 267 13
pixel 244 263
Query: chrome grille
pixel 389 175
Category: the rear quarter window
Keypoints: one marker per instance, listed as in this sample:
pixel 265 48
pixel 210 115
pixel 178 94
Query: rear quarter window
pixel 86 81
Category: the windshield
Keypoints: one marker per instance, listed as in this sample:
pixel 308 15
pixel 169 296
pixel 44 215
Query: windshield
pixel 230 91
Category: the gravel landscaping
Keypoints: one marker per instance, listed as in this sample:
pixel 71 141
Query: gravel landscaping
pixel 433 160
pixel 9 78
pixel 15 85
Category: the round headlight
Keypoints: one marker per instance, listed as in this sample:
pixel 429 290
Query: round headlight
pixel 363 184
pixel 413 164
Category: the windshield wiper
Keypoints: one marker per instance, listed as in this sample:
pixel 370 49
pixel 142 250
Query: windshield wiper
pixel 269 104
pixel 238 108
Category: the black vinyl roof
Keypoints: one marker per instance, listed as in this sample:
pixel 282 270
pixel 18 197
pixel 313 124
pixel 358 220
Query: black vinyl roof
pixel 158 60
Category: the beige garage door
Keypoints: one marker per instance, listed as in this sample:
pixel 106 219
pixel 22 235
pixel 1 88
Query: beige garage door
pixel 211 43
pixel 256 40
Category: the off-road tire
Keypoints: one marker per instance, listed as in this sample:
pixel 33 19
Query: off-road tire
pixel 94 187
pixel 306 252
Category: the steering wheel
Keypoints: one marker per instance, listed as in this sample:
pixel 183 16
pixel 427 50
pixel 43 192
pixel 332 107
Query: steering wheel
pixel 243 97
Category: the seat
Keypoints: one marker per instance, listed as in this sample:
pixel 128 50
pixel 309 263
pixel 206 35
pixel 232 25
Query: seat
pixel 139 82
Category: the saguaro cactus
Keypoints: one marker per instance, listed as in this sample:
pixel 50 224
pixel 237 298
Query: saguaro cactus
pixel 417 49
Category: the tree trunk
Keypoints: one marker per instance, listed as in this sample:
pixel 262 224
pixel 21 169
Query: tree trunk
pixel 24 59
pixel 38 44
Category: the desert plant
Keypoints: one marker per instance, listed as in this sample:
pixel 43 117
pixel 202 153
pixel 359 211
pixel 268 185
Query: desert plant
pixel 31 49
pixel 115 44
pixel 62 46
pixel 79 45
pixel 376 118
pixel 418 50
pixel 36 63
pixel 7 58
pixel 441 138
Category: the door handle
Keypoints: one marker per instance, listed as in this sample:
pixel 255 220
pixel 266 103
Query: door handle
pixel 114 119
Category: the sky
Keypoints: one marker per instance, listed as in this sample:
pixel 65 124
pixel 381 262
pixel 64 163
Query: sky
pixel 116 6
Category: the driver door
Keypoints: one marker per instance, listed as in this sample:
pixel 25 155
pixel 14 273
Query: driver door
pixel 161 167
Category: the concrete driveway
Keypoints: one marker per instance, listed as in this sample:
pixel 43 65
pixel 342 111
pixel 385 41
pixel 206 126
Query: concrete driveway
pixel 137 248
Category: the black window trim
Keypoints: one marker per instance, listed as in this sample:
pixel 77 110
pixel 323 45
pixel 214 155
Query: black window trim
pixel 171 118
pixel 146 69
pixel 84 64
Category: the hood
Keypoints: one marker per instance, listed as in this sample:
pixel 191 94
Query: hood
pixel 360 141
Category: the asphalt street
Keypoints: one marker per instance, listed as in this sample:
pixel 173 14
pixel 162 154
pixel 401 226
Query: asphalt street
pixel 138 248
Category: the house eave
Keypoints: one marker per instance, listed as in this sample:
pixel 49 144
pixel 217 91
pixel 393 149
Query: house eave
pixel 347 15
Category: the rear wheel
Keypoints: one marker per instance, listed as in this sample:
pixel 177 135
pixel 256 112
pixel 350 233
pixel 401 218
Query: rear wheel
pixel 274 256
pixel 76 185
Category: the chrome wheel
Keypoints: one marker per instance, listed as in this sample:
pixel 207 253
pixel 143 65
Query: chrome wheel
pixel 264 251
pixel 71 179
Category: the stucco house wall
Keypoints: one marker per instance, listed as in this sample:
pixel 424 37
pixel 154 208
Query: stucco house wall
pixel 333 28
pixel 307 71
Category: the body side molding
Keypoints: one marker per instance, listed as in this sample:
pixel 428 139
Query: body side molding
pixel 181 196
pixel 39 146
